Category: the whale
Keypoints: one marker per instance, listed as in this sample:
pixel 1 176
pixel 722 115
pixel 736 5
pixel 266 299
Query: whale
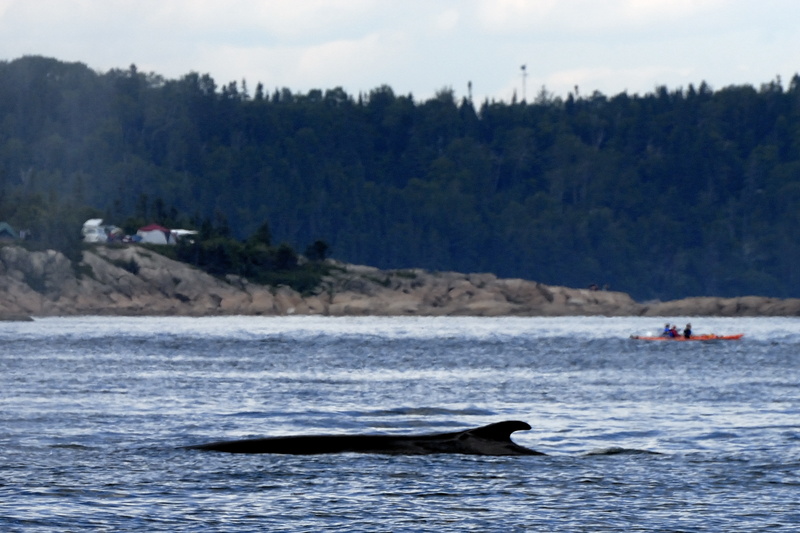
pixel 493 439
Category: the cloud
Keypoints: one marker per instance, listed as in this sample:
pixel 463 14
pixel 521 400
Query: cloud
pixel 447 20
pixel 497 16
pixel 308 22
pixel 577 16
pixel 650 11
pixel 418 46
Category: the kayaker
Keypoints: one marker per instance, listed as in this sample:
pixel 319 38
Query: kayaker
pixel 673 331
pixel 687 331
pixel 665 333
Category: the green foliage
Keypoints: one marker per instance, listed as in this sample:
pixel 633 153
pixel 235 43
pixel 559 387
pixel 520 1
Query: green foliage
pixel 667 194
pixel 48 222
pixel 262 236
pixel 317 251
pixel 304 280
pixel 252 259
pixel 217 256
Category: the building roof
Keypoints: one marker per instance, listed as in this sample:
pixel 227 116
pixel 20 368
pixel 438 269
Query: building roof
pixel 153 227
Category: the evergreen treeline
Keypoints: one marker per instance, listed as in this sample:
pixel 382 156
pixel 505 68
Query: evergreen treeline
pixel 674 193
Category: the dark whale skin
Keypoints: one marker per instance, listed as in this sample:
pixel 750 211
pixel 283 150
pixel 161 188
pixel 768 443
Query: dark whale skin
pixel 494 439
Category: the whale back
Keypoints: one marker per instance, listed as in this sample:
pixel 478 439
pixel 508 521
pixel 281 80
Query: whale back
pixel 493 439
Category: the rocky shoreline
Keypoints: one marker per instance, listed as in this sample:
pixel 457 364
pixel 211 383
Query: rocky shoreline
pixel 132 280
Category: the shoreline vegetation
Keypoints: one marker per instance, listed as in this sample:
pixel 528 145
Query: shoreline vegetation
pixel 137 281
pixel 674 193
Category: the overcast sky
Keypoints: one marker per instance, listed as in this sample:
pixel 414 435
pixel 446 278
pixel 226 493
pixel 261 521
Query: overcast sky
pixel 421 46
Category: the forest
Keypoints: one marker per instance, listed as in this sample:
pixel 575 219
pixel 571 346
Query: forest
pixel 690 191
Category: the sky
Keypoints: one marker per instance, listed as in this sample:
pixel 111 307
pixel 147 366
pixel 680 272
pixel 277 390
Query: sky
pixel 420 47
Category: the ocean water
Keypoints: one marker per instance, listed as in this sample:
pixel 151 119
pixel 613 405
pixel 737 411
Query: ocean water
pixel 94 412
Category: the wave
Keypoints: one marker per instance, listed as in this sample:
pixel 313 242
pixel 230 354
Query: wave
pixel 615 450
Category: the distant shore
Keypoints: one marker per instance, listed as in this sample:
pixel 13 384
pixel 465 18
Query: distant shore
pixel 46 284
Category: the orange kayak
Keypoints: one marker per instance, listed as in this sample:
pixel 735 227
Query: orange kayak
pixel 709 337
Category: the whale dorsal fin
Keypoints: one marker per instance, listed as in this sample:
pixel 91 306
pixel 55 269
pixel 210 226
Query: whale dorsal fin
pixel 499 431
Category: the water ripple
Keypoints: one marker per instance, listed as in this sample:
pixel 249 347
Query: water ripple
pixel 93 419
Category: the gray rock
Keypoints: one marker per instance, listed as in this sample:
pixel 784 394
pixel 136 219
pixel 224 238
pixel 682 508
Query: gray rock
pixel 132 280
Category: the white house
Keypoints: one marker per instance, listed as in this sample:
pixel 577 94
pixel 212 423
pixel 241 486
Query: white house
pixel 94 231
